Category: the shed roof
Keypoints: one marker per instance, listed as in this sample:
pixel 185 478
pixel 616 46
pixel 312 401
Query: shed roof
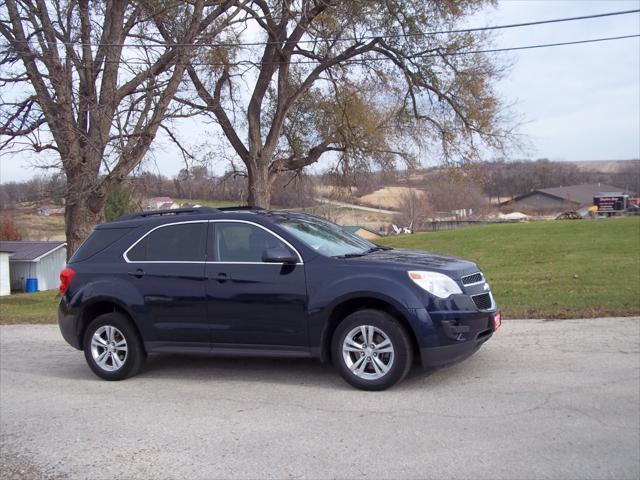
pixel 28 250
pixel 579 194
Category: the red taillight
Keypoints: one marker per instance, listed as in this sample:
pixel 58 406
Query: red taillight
pixel 66 276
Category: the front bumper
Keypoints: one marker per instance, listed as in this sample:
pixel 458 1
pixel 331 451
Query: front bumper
pixel 448 354
pixel 447 337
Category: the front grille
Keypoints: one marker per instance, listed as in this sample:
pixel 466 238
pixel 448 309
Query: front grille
pixel 473 278
pixel 483 301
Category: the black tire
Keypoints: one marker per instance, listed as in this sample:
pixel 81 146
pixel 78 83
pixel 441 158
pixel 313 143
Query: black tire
pixel 131 361
pixel 387 326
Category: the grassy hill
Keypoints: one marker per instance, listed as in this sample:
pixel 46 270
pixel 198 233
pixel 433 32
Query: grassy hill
pixel 554 269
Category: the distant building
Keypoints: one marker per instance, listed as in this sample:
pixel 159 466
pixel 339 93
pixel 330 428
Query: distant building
pixel 362 232
pixel 48 211
pixel 33 259
pixel 462 212
pixel 159 203
pixel 562 198
pixel 167 206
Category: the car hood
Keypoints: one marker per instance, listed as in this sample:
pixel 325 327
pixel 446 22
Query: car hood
pixel 420 260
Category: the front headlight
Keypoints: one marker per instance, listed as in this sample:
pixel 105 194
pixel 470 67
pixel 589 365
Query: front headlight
pixel 437 284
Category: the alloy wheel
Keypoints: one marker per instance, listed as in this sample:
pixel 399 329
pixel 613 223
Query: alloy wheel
pixel 368 352
pixel 109 348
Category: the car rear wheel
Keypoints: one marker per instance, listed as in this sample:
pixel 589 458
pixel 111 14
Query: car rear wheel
pixel 112 347
pixel 371 350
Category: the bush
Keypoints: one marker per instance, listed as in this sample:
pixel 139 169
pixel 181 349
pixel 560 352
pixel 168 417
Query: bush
pixel 119 203
pixel 8 229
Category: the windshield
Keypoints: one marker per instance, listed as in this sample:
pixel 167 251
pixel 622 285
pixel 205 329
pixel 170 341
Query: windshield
pixel 325 237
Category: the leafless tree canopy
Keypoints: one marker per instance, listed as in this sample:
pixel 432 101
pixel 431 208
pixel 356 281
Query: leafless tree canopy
pixel 92 82
pixel 288 82
pixel 357 80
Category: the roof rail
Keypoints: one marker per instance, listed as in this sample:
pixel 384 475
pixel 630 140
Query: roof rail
pixel 172 211
pixel 239 207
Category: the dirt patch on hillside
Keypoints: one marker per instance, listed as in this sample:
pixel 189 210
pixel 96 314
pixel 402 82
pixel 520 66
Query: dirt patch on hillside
pixel 35 227
pixel 388 197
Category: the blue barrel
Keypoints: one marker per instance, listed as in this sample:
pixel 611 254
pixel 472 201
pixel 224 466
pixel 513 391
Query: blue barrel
pixel 32 285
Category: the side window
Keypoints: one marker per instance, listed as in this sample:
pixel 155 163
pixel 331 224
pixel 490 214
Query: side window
pixel 242 242
pixel 177 243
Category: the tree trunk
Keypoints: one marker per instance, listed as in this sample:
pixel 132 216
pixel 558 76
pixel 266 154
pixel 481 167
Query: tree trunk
pixel 80 217
pixel 259 185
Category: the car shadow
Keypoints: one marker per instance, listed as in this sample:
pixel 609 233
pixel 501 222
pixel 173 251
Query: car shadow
pixel 262 370
pixel 202 368
pixel 252 369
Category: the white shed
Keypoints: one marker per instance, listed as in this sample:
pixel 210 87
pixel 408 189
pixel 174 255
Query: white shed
pixel 5 288
pixel 34 259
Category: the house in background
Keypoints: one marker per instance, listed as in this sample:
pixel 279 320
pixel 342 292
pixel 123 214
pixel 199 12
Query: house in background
pixel 50 211
pixel 362 232
pixel 42 261
pixel 572 197
pixel 159 203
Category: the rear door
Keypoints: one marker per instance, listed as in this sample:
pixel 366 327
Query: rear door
pixel 167 267
pixel 251 303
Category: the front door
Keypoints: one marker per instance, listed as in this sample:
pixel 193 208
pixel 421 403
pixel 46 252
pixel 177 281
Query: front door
pixel 252 303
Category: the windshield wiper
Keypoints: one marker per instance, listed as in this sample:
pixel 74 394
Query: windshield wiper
pixel 378 248
pixel 351 255
pixel 362 254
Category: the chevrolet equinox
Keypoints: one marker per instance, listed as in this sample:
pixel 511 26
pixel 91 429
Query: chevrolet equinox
pixel 246 281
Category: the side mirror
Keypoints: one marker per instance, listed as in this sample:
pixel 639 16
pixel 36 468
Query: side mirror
pixel 278 255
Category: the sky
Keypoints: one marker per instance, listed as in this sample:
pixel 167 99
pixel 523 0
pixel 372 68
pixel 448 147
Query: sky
pixel 578 102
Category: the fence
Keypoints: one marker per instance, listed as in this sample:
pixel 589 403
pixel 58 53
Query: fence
pixel 442 225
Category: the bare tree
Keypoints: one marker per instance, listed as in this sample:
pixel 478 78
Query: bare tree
pixel 92 82
pixel 507 179
pixel 359 81
pixel 414 209
pixel 455 189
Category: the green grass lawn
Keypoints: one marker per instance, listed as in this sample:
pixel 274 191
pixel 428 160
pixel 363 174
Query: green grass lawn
pixel 552 269
pixel 37 307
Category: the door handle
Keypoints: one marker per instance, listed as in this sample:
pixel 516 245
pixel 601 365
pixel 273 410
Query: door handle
pixel 139 273
pixel 220 278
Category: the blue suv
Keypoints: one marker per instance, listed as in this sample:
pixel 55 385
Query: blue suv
pixel 246 281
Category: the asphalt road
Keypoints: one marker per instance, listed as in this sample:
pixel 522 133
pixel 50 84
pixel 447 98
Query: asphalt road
pixel 542 399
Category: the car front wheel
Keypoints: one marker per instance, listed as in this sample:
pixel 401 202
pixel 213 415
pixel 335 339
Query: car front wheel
pixel 112 347
pixel 371 350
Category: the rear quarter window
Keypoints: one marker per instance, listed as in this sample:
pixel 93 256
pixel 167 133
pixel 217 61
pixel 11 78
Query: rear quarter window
pixel 98 241
pixel 172 243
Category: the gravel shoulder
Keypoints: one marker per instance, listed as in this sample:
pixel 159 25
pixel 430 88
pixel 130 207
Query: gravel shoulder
pixel 542 399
